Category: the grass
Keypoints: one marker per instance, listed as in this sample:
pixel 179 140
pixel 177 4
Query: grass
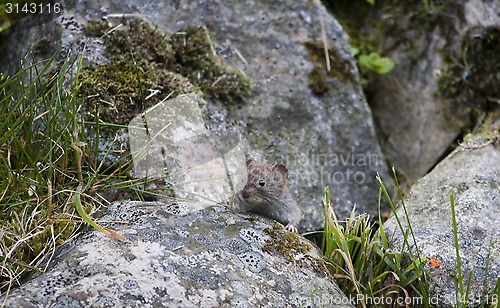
pixel 38 171
pixel 50 172
pixel 38 123
pixel 460 289
pixel 359 257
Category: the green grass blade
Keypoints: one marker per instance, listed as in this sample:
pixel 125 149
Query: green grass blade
pixel 78 205
pixel 457 250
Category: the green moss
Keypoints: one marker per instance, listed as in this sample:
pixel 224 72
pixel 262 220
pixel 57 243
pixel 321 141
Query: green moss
pixel 138 40
pixel 192 57
pixel 96 28
pixel 471 77
pixel 286 243
pixel 294 249
pixel 339 68
pixel 318 83
pixel 116 91
pixel 187 53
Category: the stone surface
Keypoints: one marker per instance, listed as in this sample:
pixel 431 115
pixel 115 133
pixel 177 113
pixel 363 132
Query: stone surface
pixel 175 257
pixel 324 139
pixel 472 171
pixel 417 125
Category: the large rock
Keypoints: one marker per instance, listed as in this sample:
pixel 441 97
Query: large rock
pixel 175 257
pixel 472 171
pixel 315 122
pixel 441 80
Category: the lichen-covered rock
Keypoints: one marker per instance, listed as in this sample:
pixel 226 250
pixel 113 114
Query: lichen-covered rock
pixel 472 171
pixel 175 257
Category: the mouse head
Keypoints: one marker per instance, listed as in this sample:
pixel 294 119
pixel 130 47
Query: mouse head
pixel 264 181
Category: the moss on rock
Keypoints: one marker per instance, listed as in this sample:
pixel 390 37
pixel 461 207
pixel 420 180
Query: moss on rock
pixel 339 68
pixel 117 90
pixel 187 53
pixel 96 28
pixel 286 243
pixel 294 249
pixel 192 56
pixel 318 83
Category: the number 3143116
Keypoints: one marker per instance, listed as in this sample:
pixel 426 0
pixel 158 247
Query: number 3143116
pixel 32 8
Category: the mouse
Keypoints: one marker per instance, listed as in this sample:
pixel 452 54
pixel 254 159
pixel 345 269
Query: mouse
pixel 266 193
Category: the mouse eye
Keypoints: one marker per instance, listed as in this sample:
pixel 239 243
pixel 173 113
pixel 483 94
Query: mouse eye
pixel 262 183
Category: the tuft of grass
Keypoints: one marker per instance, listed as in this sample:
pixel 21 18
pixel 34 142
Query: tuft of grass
pixel 459 290
pixel 46 152
pixel 36 167
pixel 463 296
pixel 422 289
pixel 359 258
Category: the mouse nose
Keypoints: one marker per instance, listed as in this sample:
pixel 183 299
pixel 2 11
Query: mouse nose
pixel 245 193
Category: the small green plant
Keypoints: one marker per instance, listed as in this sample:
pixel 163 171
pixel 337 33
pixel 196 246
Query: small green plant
pixel 373 62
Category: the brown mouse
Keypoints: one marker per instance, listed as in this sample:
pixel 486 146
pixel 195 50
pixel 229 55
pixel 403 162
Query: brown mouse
pixel 266 193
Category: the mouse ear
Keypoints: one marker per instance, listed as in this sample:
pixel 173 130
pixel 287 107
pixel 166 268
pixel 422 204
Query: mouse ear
pixel 282 170
pixel 250 162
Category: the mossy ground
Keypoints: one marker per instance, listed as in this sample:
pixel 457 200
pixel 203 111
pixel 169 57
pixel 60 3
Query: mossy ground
pixel 117 91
